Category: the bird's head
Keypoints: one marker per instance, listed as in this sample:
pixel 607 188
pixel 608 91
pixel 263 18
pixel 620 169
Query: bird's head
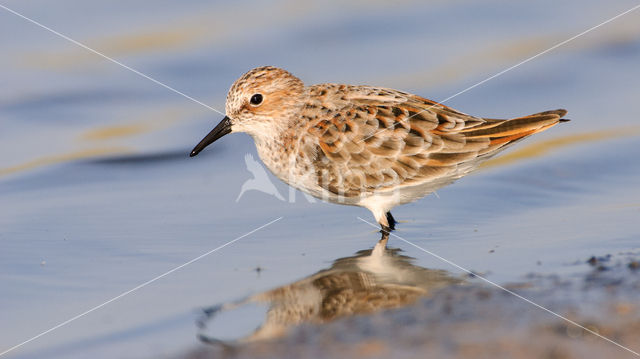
pixel 262 102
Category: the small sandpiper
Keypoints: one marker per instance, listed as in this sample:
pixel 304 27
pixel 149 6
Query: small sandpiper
pixel 362 145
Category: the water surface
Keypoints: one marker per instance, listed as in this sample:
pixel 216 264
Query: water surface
pixel 99 196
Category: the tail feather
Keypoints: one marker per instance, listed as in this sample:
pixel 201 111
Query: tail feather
pixel 505 132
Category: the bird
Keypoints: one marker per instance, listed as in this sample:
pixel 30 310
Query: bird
pixel 361 145
pixel 260 181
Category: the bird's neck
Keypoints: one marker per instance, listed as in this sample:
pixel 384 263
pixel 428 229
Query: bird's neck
pixel 279 152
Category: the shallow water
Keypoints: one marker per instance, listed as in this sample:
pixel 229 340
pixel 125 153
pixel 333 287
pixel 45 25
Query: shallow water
pixel 98 194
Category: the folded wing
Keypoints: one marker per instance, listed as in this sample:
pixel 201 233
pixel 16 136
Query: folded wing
pixel 381 139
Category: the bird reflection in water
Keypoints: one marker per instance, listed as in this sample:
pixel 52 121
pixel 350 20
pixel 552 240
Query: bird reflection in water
pixel 371 280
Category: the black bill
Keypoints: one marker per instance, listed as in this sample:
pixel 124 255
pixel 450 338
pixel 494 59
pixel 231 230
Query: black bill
pixel 223 128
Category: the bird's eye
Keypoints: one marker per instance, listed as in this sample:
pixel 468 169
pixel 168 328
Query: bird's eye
pixel 256 99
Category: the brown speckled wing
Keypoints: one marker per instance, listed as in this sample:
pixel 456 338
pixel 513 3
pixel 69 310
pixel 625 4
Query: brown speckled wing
pixel 381 138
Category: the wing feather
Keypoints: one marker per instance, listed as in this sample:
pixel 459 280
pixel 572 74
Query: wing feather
pixel 379 139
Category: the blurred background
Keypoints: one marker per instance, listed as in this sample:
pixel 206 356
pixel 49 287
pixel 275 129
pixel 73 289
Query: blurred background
pixel 98 194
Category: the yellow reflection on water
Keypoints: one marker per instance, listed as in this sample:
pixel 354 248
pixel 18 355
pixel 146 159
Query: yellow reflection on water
pixel 185 31
pixel 65 157
pixel 134 43
pixel 98 138
pixel 110 132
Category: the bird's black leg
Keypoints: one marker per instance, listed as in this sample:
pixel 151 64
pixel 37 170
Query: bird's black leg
pixel 386 228
pixel 392 221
